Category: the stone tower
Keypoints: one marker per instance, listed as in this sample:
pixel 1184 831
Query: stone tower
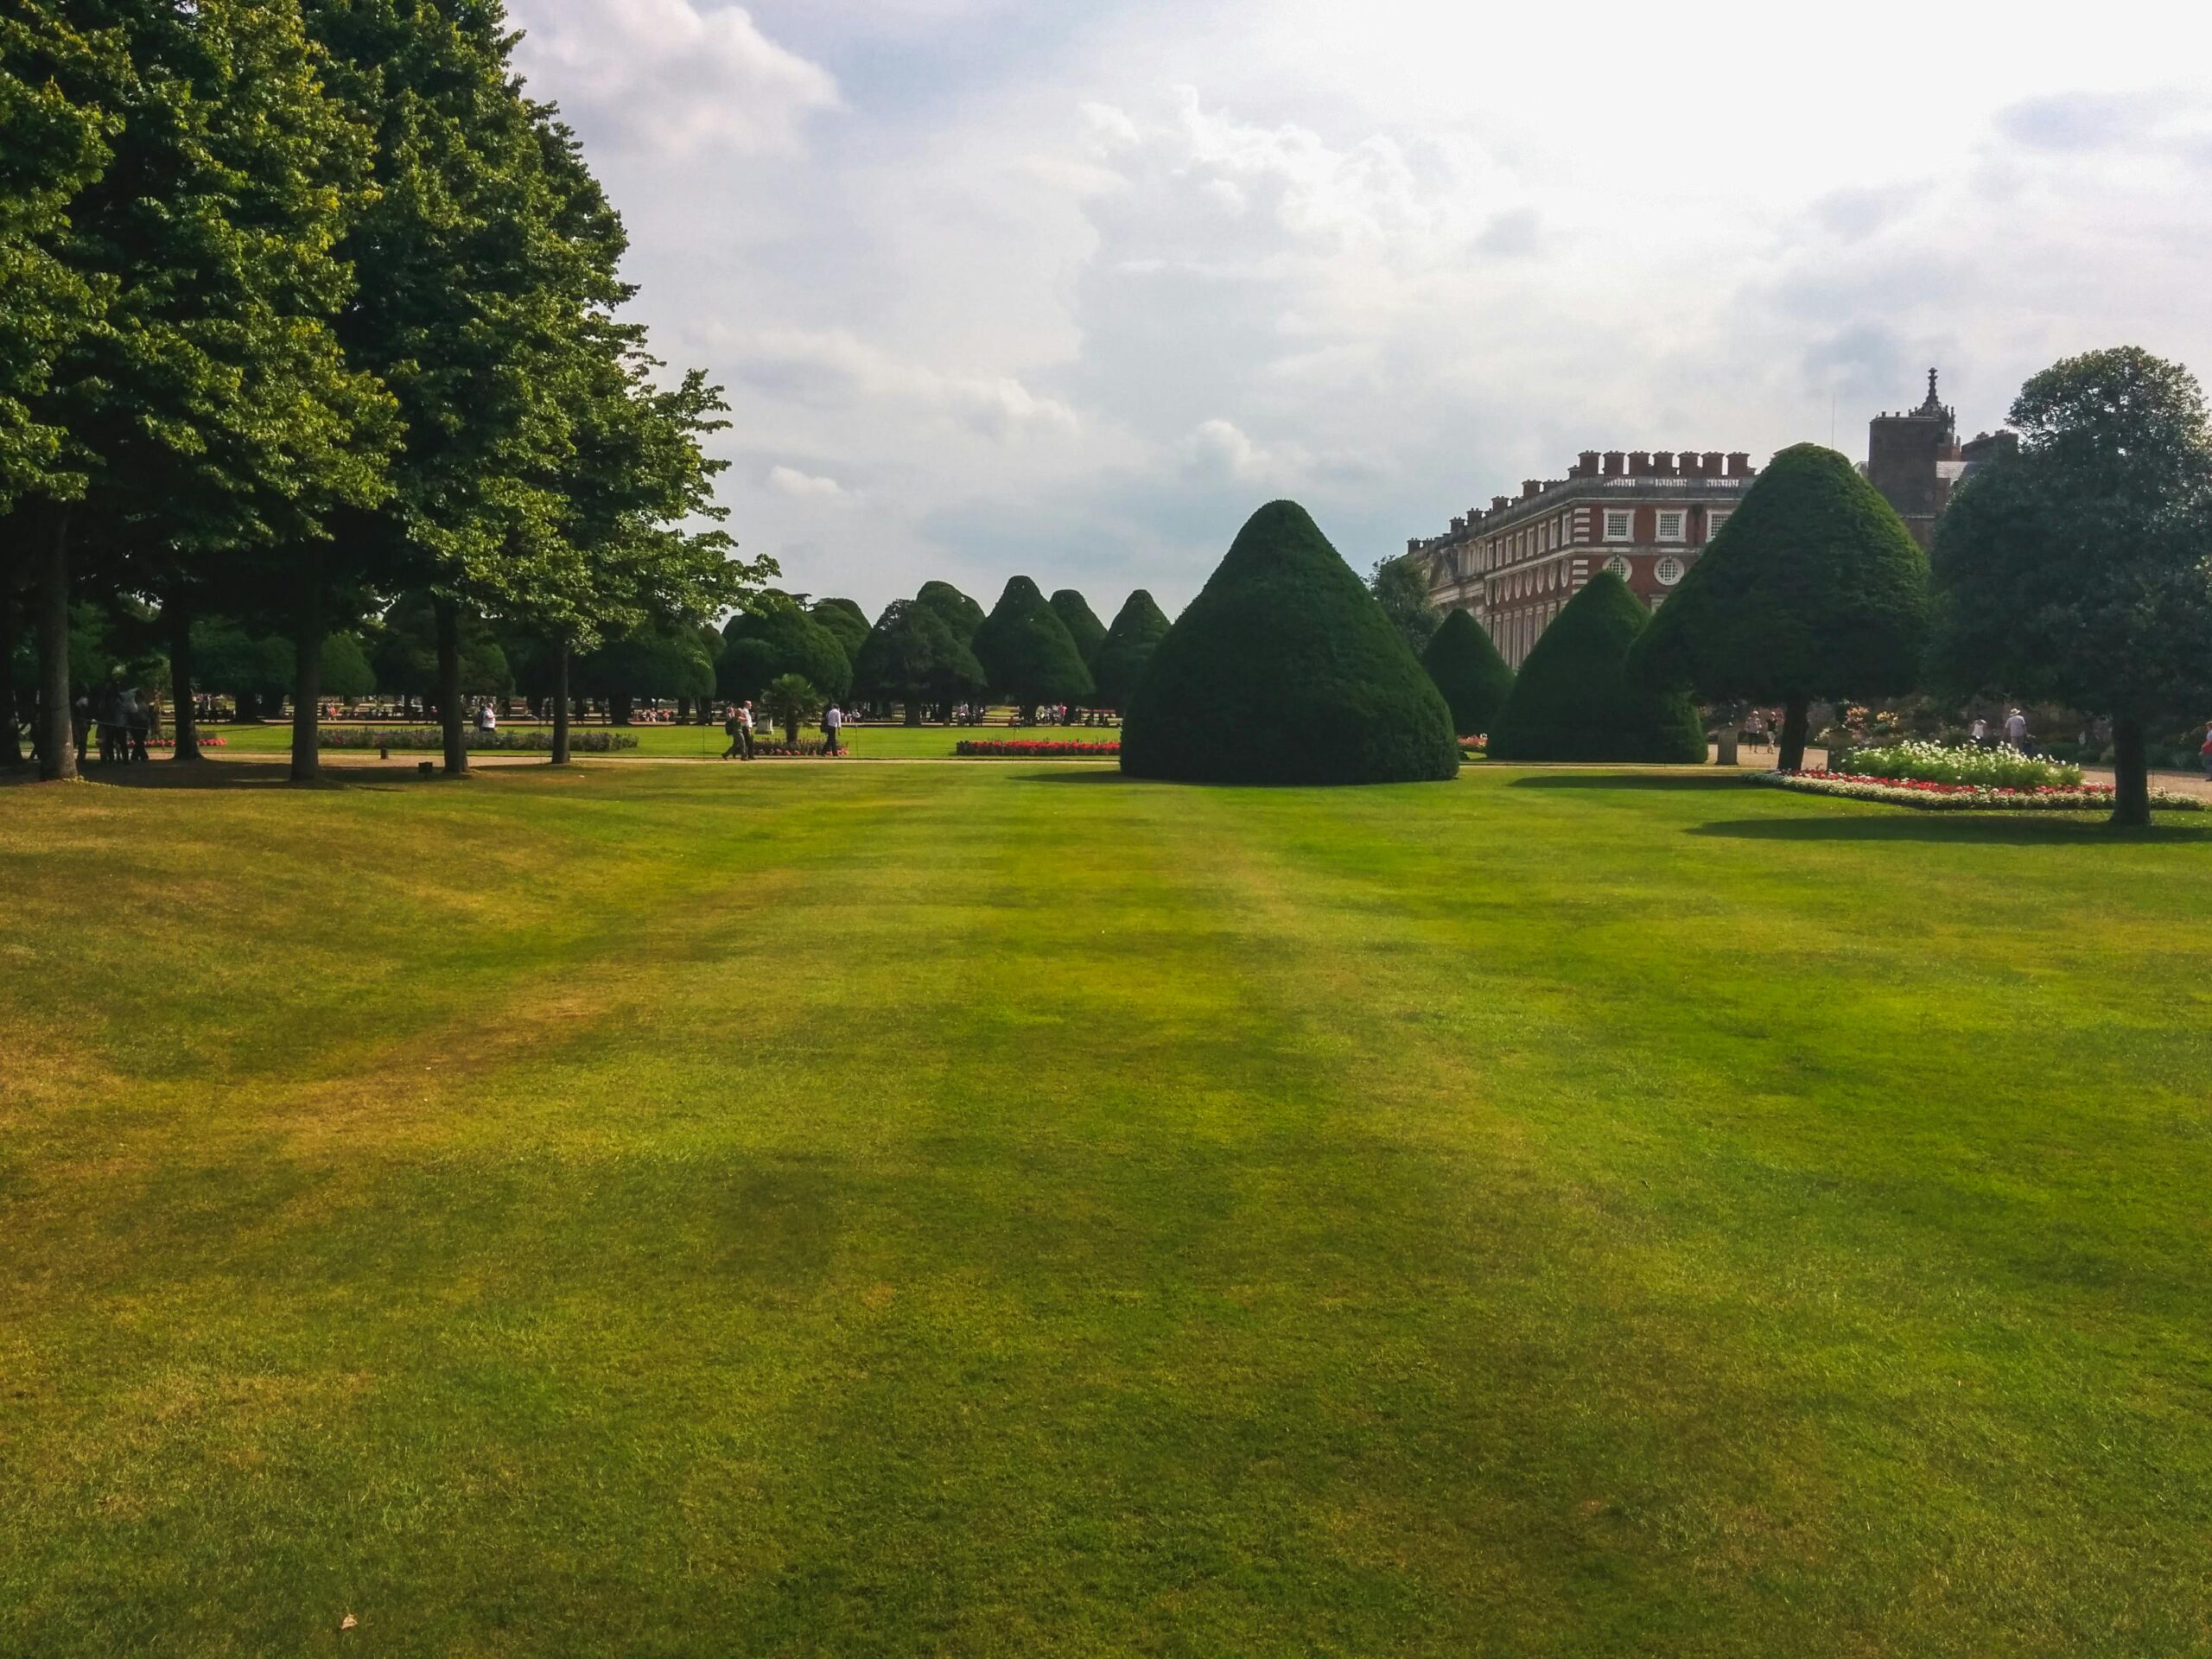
pixel 1913 458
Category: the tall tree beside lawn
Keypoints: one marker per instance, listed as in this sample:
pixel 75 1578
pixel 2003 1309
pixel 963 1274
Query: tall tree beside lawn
pixel 846 622
pixel 1081 621
pixel 2080 570
pixel 960 614
pixel 1474 679
pixel 771 638
pixel 1574 698
pixel 913 657
pixel 1285 670
pixel 1026 653
pixel 1402 591
pixel 1814 588
pixel 1138 626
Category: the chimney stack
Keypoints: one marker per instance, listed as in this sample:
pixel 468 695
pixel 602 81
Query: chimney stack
pixel 1639 463
pixel 1531 487
pixel 1712 463
pixel 1691 465
pixel 1499 502
pixel 1585 466
pixel 1459 525
pixel 1662 463
pixel 1413 544
pixel 1740 463
pixel 1613 463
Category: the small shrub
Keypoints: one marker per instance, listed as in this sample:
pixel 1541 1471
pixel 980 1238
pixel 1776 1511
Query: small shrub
pixel 1574 699
pixel 1031 747
pixel 2000 766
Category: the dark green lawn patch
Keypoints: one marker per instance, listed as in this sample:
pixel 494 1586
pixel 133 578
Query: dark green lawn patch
pixel 684 1210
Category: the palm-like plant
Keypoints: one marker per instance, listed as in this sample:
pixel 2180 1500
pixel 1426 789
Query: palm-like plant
pixel 791 699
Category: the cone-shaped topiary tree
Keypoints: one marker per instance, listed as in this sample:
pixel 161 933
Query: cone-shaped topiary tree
pixel 960 614
pixel 1026 653
pixel 1813 588
pixel 1285 670
pixel 847 624
pixel 1468 671
pixel 1575 699
pixel 911 657
pixel 1136 633
pixel 1081 621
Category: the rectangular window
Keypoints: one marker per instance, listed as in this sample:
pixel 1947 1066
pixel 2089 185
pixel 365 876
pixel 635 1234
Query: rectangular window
pixel 1618 525
pixel 1670 526
pixel 1714 518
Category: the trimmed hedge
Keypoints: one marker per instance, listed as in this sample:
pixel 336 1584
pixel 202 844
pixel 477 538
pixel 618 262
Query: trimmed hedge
pixel 1026 652
pixel 1081 622
pixel 1284 670
pixel 1574 699
pixel 1136 633
pixel 1468 671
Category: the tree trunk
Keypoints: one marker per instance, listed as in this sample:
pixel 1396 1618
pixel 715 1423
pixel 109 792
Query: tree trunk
pixel 791 730
pixel 307 680
pixel 2131 794
pixel 11 743
pixel 1795 718
pixel 177 615
pixel 561 703
pixel 57 752
pixel 450 714
pixel 913 714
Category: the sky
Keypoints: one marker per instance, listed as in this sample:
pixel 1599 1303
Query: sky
pixel 1067 289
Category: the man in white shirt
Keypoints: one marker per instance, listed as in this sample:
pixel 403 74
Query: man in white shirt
pixel 833 720
pixel 2016 728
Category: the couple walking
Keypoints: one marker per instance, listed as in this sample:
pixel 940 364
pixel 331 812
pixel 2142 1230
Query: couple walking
pixel 739 726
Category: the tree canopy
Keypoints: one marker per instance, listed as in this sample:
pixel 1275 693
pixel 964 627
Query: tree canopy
pixel 1574 698
pixel 1814 588
pixel 1026 653
pixel 2080 568
pixel 960 614
pixel 1401 589
pixel 1138 628
pixel 773 637
pixel 911 657
pixel 1082 623
pixel 1467 669
pixel 1286 670
pixel 846 622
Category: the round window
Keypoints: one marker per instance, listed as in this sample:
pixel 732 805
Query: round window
pixel 1618 566
pixel 1669 571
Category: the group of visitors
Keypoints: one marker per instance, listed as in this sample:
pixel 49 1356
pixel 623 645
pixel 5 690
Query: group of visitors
pixel 737 725
pixel 2016 729
pixel 123 718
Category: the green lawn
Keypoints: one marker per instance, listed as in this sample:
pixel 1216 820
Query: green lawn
pixel 655 742
pixel 809 1209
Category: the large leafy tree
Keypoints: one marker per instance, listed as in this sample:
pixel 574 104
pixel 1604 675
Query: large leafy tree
pixel 1026 653
pixel 205 411
pixel 674 659
pixel 1814 588
pixel 2080 570
pixel 1402 591
pixel 913 657
pixel 845 619
pixel 1138 628
pixel 960 614
pixel 1467 669
pixel 1575 698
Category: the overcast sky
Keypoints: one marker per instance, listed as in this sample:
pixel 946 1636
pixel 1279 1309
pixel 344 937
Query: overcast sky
pixel 1069 289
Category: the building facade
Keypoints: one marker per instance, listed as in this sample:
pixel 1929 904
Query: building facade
pixel 1914 459
pixel 1644 514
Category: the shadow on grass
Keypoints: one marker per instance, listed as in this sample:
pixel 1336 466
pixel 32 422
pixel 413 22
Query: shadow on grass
pixel 1601 780
pixel 1063 774
pixel 1907 824
pixel 238 774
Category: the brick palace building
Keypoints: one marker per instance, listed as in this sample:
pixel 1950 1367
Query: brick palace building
pixel 1645 515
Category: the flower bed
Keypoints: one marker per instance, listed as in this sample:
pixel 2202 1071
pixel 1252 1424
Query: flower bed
pixel 598 741
pixel 1032 748
pixel 1930 796
pixel 1999 765
pixel 206 742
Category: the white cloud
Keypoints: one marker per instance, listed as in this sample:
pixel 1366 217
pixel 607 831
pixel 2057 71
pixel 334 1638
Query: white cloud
pixel 836 368
pixel 667 76
pixel 792 481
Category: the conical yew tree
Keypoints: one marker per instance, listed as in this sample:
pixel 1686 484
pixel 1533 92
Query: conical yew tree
pixel 1136 633
pixel 1284 670
pixel 1081 621
pixel 1574 699
pixel 1814 588
pixel 1468 671
pixel 1026 653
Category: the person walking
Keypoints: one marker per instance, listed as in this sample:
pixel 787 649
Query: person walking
pixel 2016 729
pixel 1979 732
pixel 730 731
pixel 137 723
pixel 833 721
pixel 81 725
pixel 745 725
pixel 2204 753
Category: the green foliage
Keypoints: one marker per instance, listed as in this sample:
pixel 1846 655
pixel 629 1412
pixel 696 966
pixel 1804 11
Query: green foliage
pixel 772 638
pixel 911 656
pixel 1026 652
pixel 254 668
pixel 791 700
pixel 1813 588
pixel 1082 623
pixel 345 670
pixel 405 653
pixel 1574 698
pixel 653 659
pixel 1284 669
pixel 1999 765
pixel 960 614
pixel 1401 589
pixel 1474 679
pixel 847 624
pixel 2079 570
pixel 1139 627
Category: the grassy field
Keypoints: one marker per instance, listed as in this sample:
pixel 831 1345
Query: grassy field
pixel 794 1210
pixel 667 742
